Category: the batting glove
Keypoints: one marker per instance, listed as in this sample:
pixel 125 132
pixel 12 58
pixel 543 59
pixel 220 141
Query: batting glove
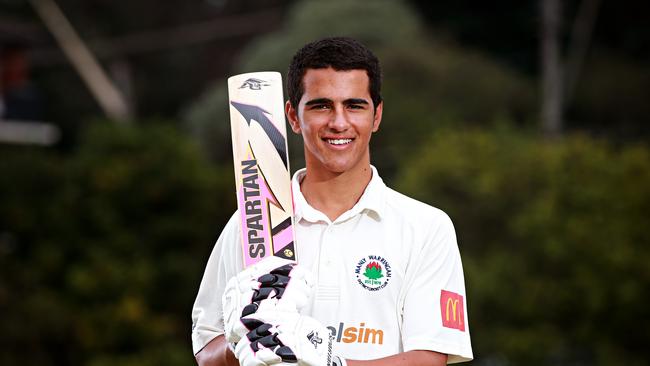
pixel 278 336
pixel 272 279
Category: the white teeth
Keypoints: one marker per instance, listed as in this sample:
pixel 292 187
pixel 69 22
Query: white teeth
pixel 339 141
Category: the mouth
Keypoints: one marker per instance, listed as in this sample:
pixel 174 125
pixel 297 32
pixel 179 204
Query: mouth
pixel 338 142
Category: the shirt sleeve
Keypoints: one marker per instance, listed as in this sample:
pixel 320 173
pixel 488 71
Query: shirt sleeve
pixel 435 304
pixel 225 261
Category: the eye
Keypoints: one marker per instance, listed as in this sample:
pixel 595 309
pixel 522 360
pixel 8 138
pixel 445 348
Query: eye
pixel 320 106
pixel 356 106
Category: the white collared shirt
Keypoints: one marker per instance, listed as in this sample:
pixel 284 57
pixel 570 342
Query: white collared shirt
pixel 389 276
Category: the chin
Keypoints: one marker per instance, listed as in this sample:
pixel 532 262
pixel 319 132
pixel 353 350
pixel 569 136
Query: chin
pixel 339 167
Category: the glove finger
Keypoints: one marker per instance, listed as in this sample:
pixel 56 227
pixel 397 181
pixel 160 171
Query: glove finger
pixel 283 270
pixel 238 294
pixel 244 325
pixel 262 332
pixel 247 357
pixel 267 356
pixel 237 332
pixel 264 293
pixel 300 288
pixel 256 348
pixel 242 348
pixel 286 354
pixel 269 307
pixel 246 275
pixel 234 330
pixel 287 338
pixel 248 278
pixel 252 298
pixel 268 265
pixel 274 284
pixel 246 285
pixel 255 326
pixel 259 292
pixel 260 268
pixel 249 309
pixel 302 273
pixel 273 280
pixel 298 292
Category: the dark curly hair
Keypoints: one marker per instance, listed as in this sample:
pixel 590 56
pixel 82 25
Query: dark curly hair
pixel 339 53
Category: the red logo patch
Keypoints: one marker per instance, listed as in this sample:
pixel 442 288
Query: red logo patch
pixel 452 310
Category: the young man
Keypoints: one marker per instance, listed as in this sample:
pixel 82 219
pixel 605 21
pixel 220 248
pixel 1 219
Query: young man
pixel 387 276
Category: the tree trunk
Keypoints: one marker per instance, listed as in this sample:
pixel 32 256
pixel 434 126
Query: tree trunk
pixel 552 85
pixel 102 88
pixel 582 31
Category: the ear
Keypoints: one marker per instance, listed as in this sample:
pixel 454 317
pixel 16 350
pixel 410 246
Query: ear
pixel 292 116
pixel 377 118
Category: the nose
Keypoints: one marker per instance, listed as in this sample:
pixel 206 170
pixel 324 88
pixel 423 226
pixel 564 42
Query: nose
pixel 339 121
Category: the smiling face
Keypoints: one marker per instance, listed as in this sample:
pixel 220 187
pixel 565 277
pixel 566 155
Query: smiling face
pixel 336 118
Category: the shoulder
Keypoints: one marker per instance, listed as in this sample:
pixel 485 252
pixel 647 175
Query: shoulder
pixel 227 244
pixel 414 211
pixel 233 223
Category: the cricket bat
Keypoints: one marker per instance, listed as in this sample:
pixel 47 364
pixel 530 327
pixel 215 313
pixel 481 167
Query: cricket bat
pixel 262 175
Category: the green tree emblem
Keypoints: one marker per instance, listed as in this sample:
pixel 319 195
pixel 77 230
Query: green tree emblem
pixel 373 271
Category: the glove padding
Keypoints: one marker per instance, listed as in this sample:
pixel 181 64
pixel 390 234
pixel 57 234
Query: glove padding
pixel 279 336
pixel 272 279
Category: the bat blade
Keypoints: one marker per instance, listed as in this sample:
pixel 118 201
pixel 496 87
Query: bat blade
pixel 262 175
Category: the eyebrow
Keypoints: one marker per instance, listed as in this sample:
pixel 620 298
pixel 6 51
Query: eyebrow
pixel 355 101
pixel 329 101
pixel 319 101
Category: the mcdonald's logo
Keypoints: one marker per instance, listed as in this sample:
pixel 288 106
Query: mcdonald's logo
pixel 452 310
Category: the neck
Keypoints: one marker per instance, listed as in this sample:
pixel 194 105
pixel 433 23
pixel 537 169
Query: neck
pixel 335 193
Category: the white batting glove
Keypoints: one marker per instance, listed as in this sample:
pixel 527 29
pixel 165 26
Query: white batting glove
pixel 286 337
pixel 272 279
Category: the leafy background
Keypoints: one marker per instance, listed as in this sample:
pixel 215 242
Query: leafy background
pixel 104 237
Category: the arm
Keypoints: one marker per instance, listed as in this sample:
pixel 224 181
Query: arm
pixel 216 353
pixel 225 261
pixel 411 358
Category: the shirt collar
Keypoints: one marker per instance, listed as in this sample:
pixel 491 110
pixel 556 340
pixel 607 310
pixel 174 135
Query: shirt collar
pixel 371 201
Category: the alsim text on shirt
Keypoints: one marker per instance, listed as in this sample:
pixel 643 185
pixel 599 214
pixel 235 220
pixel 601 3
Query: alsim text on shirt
pixel 361 334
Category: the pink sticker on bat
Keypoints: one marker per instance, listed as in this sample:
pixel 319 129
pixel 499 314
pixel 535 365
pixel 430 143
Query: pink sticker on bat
pixel 259 238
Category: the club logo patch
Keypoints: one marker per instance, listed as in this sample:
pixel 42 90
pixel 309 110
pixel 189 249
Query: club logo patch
pixel 373 272
pixel 452 310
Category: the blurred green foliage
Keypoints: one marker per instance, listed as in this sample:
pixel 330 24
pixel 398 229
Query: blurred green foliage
pixel 554 242
pixel 102 250
pixel 102 247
